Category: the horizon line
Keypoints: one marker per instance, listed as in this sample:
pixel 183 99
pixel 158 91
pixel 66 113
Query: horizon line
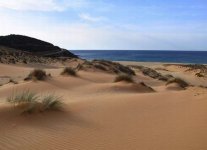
pixel 133 50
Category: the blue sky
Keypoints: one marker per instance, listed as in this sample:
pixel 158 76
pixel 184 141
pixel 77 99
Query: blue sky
pixel 107 24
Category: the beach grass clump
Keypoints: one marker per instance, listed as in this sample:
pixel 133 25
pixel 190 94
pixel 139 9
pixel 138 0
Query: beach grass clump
pixel 24 97
pixel 69 71
pixel 27 101
pixel 51 102
pixel 182 83
pixel 30 102
pixel 124 77
pixel 37 74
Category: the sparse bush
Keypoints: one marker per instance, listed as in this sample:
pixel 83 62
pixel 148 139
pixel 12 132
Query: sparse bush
pixel 30 102
pixel 69 71
pixel 37 74
pixel 124 77
pixel 179 81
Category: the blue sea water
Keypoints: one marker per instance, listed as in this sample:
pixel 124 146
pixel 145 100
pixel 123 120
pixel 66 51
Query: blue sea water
pixel 198 57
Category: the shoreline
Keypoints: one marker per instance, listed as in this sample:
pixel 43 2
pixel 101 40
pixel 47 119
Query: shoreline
pixel 154 63
pixel 180 57
pixel 147 62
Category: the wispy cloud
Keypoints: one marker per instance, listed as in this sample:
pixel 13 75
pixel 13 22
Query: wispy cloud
pixel 86 36
pixel 42 5
pixel 104 24
pixel 88 17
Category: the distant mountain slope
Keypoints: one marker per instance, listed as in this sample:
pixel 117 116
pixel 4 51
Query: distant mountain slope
pixel 14 56
pixel 34 46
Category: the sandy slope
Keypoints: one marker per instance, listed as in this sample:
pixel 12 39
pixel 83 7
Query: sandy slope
pixel 100 114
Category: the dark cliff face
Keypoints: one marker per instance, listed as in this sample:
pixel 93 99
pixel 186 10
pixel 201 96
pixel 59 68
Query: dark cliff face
pixel 34 46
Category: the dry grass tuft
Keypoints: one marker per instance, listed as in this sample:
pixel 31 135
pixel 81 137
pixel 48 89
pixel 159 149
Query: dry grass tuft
pixel 179 81
pixel 24 97
pixel 51 102
pixel 124 77
pixel 69 71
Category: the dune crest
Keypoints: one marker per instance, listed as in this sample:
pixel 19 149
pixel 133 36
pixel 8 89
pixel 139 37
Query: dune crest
pixel 174 87
pixel 131 87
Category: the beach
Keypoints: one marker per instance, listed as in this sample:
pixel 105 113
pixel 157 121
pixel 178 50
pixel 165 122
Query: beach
pixel 103 75
pixel 102 114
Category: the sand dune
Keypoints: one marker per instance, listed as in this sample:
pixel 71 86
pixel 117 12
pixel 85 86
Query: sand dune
pixel 101 114
pixel 131 87
pixel 174 86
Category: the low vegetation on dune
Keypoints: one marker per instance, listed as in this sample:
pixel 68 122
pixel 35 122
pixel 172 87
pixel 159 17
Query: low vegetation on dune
pixel 191 67
pixel 150 72
pixel 150 88
pixel 69 71
pixel 179 81
pixel 200 75
pixel 13 81
pixel 51 102
pixel 202 86
pixel 9 81
pixel 124 77
pixel 105 66
pixel 29 102
pixel 22 98
pixel 37 74
pixel 199 68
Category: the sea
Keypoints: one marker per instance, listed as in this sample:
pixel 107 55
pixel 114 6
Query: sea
pixel 192 57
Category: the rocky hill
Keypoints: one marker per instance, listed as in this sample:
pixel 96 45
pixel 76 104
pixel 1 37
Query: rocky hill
pixel 18 49
pixel 34 46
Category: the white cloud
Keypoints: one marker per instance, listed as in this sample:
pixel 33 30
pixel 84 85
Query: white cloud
pixel 41 5
pixel 88 17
